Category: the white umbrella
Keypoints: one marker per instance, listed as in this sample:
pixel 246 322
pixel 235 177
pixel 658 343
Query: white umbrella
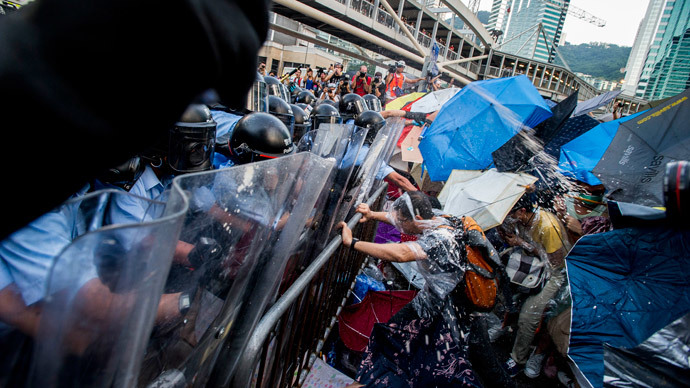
pixel 433 101
pixel 486 196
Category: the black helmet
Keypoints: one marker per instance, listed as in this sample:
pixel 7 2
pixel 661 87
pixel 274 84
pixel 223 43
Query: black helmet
pixel 192 141
pixel 351 105
pixel 373 102
pixel 305 107
pixel 302 123
pixel 324 113
pixel 125 174
pixel 282 110
pixel 329 102
pixel 371 120
pixel 257 98
pixel 306 97
pixel 276 88
pixel 259 136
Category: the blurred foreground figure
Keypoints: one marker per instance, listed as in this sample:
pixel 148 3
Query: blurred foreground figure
pixel 69 72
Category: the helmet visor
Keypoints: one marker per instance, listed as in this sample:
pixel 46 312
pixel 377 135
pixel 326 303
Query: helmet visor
pixel 318 120
pixel 279 91
pixel 288 120
pixel 374 104
pixel 191 147
pixel 257 99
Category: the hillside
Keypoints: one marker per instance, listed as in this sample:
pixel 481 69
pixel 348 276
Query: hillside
pixel 601 60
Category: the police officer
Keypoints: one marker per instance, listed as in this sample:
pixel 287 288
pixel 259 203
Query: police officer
pixel 324 114
pixel 351 105
pixel 260 136
pixel 276 88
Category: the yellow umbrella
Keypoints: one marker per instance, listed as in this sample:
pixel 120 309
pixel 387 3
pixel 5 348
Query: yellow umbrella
pixel 399 102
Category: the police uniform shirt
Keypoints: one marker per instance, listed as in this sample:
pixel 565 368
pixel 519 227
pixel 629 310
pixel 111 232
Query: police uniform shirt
pixel 128 209
pixel 27 255
pixel 225 122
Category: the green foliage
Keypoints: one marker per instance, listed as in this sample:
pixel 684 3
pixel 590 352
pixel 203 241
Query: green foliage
pixel 601 60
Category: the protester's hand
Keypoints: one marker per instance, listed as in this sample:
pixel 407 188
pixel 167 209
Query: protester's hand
pixel 365 210
pixel 346 233
pixel 432 116
pixel 573 224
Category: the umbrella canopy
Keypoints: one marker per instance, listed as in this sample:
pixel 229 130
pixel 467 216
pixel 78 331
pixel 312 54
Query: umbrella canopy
pixel 400 102
pixel 632 168
pixel 477 121
pixel 433 101
pixel 626 285
pixel 485 196
pixel 580 155
pixel 573 127
pixel 585 107
pixel 561 113
pixel 356 321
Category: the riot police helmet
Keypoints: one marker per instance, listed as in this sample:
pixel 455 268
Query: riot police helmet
pixel 325 114
pixel 306 97
pixel 283 111
pixel 371 120
pixel 259 136
pixel 351 105
pixel 302 123
pixel 257 98
pixel 276 88
pixel 373 102
pixel 192 141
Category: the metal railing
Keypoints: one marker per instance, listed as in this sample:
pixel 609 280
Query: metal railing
pixel 292 332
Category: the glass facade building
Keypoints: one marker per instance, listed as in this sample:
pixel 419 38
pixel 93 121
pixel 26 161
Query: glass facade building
pixel 666 70
pixel 518 19
pixel 643 39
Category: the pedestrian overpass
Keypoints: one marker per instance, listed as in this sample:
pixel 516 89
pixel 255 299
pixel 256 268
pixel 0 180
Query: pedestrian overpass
pixel 406 29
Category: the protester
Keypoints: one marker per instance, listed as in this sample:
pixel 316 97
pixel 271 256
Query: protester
pixel 296 78
pixel 539 233
pixel 262 68
pixel 583 211
pixel 309 82
pixel 403 352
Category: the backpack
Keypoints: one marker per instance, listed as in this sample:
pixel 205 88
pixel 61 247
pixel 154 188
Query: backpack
pixel 480 283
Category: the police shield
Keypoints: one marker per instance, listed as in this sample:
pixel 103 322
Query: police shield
pixel 103 294
pixel 393 127
pixel 242 225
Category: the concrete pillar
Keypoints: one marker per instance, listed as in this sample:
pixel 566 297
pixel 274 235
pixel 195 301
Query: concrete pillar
pixel 418 24
pixel 433 33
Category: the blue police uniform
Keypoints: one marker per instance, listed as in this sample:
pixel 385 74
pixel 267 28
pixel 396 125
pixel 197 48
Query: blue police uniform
pixel 225 122
pixel 131 210
pixel 382 172
pixel 27 255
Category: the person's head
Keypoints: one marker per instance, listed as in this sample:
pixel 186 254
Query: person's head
pixel 276 88
pixel 302 123
pixel 524 209
pixel 298 73
pixel 272 73
pixel 259 136
pixel 262 67
pixel 283 111
pixel 257 98
pixel 362 70
pixel 371 120
pixel 310 73
pixel 373 102
pixel 338 68
pixel 410 211
pixel 192 141
pixel 377 76
pixel 305 97
pixel 324 113
pixel 400 67
pixel 351 106
pixel 323 75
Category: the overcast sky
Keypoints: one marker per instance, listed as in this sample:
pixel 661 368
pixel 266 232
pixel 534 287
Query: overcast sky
pixel 622 19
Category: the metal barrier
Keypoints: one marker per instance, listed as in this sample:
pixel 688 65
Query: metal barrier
pixel 292 332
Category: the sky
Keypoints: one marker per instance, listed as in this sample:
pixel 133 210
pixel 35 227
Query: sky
pixel 622 20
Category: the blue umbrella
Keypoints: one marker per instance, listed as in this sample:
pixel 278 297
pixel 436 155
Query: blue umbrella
pixel 580 155
pixel 477 121
pixel 626 285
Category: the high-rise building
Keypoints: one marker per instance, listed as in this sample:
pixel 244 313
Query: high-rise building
pixel 643 40
pixel 666 69
pixel 519 19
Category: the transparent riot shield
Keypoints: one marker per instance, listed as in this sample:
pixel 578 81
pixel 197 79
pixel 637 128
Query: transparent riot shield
pixel 243 224
pixel 394 126
pixel 330 141
pixel 362 178
pixel 103 292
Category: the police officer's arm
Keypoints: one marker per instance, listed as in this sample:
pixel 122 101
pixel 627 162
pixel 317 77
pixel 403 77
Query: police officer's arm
pixel 400 253
pixel 401 181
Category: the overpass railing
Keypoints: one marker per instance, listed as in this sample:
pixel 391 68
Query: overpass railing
pixel 293 331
